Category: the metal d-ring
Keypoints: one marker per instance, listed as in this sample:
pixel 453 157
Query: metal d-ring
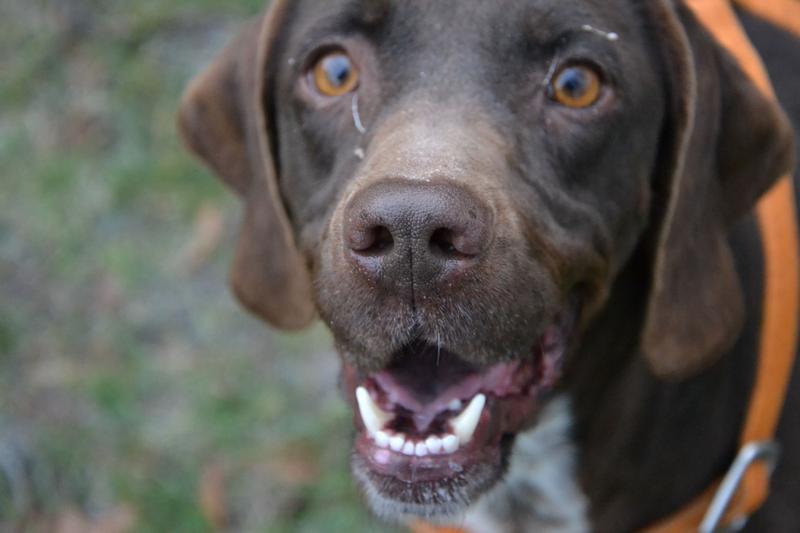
pixel 754 452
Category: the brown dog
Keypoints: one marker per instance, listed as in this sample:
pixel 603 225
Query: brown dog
pixel 478 197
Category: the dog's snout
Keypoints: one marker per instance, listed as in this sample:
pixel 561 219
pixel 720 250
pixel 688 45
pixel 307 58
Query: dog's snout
pixel 401 232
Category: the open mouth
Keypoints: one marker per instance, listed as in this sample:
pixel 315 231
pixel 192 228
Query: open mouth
pixel 434 430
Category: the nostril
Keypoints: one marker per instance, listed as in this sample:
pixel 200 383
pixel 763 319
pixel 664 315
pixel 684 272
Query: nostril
pixel 444 243
pixel 383 240
pixel 375 241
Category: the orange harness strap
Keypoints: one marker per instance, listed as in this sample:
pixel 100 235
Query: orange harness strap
pixel 781 307
pixel 783 13
pixel 778 226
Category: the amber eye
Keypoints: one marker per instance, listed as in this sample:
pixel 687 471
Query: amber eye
pixel 334 74
pixel 576 86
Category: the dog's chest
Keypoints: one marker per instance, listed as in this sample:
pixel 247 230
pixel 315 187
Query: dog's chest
pixel 540 491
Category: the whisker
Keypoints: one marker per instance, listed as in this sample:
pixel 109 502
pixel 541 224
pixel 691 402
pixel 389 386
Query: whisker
pixel 438 347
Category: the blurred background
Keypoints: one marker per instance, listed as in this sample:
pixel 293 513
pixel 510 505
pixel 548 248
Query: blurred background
pixel 134 394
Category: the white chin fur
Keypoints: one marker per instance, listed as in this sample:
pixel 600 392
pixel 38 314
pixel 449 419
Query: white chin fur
pixel 542 472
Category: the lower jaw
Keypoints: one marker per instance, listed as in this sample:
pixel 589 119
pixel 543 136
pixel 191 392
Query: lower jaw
pixel 432 468
pixel 438 498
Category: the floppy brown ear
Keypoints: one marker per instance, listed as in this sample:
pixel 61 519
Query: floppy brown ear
pixel 726 144
pixel 224 121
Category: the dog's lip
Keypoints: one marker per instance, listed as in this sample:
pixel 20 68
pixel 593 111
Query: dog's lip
pixel 417 408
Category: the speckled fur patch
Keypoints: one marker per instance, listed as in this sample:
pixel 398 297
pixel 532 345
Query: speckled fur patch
pixel 540 493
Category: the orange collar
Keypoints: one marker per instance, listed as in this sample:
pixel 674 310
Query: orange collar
pixel 730 501
pixel 746 487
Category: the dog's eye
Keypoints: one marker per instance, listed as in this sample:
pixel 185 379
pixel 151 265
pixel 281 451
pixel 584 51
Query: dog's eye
pixel 334 74
pixel 576 86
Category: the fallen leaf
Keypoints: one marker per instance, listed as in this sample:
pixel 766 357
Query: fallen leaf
pixel 206 237
pixel 212 494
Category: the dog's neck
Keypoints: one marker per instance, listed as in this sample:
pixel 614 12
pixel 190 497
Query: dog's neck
pixel 648 447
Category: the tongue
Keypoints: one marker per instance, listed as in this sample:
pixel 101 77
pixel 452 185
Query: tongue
pixel 423 412
pixel 426 385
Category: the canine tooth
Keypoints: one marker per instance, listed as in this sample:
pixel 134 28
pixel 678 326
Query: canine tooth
pixel 421 449
pixel 455 405
pixel 434 444
pixel 396 443
pixel 464 424
pixel 382 439
pixel 372 415
pixel 409 448
pixel 450 443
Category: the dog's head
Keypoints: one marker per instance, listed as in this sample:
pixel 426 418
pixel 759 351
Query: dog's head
pixel 454 187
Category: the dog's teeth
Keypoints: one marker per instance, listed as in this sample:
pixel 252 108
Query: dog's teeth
pixel 464 424
pixel 372 415
pixel 397 442
pixel 421 449
pixel 434 444
pixel 382 439
pixel 450 444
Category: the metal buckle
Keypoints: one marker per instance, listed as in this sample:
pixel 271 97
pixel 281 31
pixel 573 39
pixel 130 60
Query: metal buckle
pixel 766 451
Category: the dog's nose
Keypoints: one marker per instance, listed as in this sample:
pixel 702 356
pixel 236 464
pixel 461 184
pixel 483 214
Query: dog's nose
pixel 406 234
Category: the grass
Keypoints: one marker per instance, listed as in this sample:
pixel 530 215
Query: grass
pixel 129 378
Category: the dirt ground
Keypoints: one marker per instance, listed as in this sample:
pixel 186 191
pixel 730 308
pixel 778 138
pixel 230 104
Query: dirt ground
pixel 134 394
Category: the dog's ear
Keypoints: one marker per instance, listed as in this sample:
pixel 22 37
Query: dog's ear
pixel 224 120
pixel 725 144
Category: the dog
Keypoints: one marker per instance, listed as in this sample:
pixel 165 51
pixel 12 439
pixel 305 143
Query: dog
pixel 530 227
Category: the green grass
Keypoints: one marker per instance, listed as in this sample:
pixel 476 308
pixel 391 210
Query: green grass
pixel 126 376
